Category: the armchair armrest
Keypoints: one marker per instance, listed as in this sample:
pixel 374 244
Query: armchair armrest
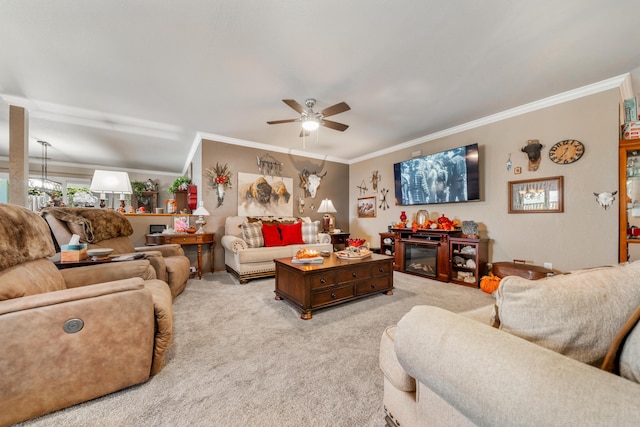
pixel 233 243
pixel 172 249
pixel 107 272
pixel 495 378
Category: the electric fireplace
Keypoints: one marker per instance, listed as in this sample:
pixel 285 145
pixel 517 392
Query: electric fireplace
pixel 421 258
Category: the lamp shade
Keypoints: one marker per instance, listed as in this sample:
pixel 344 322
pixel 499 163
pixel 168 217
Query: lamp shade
pixel 110 182
pixel 201 211
pixel 310 124
pixel 326 206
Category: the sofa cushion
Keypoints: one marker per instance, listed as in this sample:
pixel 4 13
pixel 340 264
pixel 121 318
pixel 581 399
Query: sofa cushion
pixel 252 234
pixel 291 234
pixel 576 314
pixel 271 235
pixel 310 232
pixel 30 278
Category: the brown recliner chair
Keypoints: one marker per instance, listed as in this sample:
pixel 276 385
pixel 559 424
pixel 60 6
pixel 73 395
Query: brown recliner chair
pixel 110 229
pixel 72 335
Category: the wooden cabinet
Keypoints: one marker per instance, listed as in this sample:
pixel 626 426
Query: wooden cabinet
pixel 467 260
pixel 388 244
pixel 148 200
pixel 629 200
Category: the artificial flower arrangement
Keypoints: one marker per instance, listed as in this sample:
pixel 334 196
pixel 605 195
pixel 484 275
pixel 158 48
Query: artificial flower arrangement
pixel 219 179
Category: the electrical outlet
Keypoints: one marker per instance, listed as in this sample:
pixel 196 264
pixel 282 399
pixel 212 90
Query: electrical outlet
pixel 548 265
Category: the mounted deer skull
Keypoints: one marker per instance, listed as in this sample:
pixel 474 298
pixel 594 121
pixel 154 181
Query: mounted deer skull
pixel 310 181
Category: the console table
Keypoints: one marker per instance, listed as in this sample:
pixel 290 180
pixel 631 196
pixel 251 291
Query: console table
pixel 186 239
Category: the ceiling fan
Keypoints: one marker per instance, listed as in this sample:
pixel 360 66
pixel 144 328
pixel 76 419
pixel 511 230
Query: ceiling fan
pixel 310 119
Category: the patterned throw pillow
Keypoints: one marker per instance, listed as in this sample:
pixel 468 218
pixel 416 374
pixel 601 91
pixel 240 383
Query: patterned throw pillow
pixel 310 232
pixel 252 234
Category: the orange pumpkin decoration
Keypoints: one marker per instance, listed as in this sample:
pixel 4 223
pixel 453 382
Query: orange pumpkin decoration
pixel 489 283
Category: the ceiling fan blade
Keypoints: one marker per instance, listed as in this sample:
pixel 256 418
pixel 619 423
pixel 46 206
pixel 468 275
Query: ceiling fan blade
pixel 304 132
pixel 334 125
pixel 277 122
pixel 335 109
pixel 294 104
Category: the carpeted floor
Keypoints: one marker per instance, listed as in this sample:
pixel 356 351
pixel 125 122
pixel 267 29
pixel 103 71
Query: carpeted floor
pixel 241 358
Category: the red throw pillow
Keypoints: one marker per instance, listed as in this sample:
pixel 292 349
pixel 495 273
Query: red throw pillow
pixel 291 234
pixel 271 235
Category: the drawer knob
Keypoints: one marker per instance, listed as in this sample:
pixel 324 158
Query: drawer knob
pixel 323 281
pixel 373 286
pixel 333 295
pixel 381 270
pixel 354 274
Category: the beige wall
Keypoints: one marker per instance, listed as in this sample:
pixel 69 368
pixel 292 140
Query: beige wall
pixel 244 159
pixel 584 235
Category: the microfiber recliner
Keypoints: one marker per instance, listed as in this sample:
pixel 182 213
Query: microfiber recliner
pixel 108 229
pixel 74 334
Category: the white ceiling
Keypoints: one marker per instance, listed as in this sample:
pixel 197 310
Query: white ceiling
pixel 129 84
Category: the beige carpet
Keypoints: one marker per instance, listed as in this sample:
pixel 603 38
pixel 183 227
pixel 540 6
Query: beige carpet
pixel 241 358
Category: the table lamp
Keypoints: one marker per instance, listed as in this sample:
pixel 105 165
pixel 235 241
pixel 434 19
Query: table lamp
pixel 328 220
pixel 201 212
pixel 110 182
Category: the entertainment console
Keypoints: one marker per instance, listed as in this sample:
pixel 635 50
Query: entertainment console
pixel 441 255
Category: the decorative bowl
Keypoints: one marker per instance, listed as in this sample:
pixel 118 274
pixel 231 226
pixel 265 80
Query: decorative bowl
pixel 99 252
pixel 356 242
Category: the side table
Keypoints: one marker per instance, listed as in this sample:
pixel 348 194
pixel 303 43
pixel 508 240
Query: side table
pixel 339 239
pixel 186 239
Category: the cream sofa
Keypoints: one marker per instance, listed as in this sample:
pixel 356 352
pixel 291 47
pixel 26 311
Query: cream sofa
pixel 539 364
pixel 247 263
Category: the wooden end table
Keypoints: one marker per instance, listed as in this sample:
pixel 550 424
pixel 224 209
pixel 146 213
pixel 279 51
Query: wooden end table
pixel 309 287
pixel 186 239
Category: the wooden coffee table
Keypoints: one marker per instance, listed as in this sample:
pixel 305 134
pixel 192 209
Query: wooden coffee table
pixel 309 287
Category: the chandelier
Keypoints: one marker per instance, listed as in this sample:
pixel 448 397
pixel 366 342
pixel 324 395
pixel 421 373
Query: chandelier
pixel 44 184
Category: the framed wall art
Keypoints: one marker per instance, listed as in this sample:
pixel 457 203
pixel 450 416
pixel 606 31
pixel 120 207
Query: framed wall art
pixel 260 195
pixel 537 195
pixel 367 207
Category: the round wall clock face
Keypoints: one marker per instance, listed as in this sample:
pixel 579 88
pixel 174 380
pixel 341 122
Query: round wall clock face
pixel 566 152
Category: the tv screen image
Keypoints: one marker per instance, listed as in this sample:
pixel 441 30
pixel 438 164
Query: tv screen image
pixel 447 177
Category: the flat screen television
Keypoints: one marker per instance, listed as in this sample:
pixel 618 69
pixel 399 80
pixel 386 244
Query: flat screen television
pixel 447 177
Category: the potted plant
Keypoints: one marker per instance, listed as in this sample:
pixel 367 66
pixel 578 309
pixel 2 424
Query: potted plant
pixel 180 184
pixel 138 187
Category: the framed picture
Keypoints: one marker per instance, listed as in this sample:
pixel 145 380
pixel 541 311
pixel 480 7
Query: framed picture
pixel 367 207
pixel 537 195
pixel 180 223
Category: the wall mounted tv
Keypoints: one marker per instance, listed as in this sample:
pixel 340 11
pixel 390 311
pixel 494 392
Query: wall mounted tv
pixel 447 177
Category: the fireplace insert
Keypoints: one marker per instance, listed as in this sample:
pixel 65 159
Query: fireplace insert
pixel 421 258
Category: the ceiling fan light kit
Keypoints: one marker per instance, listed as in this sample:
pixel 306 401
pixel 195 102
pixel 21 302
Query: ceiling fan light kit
pixel 310 119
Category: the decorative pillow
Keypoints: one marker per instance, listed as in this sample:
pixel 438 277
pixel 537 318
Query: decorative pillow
pixel 310 232
pixel 291 234
pixel 252 234
pixel 623 357
pixel 630 356
pixel 271 235
pixel 576 314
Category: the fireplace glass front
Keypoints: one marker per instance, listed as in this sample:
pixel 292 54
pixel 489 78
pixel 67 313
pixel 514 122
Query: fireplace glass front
pixel 421 259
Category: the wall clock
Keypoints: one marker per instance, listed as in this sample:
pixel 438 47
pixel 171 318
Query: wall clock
pixel 566 152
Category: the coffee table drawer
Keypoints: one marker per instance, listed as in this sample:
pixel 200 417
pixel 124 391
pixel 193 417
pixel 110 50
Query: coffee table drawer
pixel 322 280
pixel 382 269
pixel 376 284
pixel 357 272
pixel 331 295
